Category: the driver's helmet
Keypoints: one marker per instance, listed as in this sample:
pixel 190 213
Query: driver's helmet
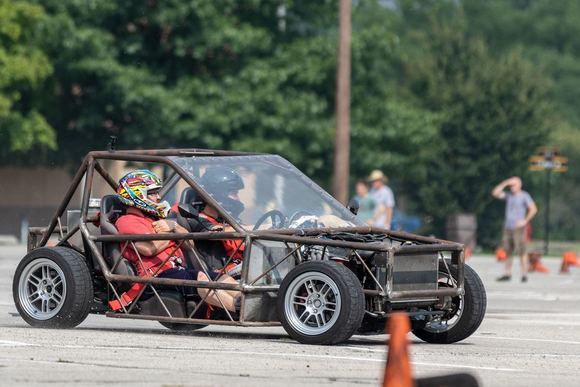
pixel 134 188
pixel 223 184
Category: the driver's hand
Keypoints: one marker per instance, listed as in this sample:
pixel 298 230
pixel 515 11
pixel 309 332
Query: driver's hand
pixel 216 227
pixel 164 226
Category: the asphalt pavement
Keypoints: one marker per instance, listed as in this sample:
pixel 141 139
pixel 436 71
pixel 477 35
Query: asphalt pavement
pixel 530 337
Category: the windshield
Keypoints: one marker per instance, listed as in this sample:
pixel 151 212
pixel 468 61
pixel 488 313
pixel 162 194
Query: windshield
pixel 266 191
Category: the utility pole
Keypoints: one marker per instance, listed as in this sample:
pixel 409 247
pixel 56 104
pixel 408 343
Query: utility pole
pixel 342 142
pixel 548 159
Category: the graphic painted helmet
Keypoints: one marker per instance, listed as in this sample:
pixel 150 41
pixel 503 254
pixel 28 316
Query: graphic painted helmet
pixel 221 183
pixel 134 188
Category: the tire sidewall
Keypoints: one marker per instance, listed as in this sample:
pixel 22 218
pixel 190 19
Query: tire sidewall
pixel 471 316
pixel 68 315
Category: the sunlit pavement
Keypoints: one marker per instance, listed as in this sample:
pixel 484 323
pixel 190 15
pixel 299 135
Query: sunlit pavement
pixel 530 336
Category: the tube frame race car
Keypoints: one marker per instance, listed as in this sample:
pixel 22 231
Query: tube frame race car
pixel 308 264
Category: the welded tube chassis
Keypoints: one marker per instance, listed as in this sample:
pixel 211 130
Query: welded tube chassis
pixel 293 239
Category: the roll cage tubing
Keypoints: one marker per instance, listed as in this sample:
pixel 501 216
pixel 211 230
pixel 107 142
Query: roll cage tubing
pixel 299 238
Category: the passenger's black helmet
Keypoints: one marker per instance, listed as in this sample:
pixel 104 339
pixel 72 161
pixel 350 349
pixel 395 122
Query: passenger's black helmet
pixel 220 182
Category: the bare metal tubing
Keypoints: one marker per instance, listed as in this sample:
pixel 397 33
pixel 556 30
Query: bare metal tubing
pixel 180 152
pixel 71 190
pixel 192 320
pixel 459 291
pixel 214 235
pixel 363 230
pixel 323 242
pixel 460 257
pixel 434 248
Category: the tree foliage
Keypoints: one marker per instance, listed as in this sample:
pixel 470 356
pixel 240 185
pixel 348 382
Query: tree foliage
pixel 23 68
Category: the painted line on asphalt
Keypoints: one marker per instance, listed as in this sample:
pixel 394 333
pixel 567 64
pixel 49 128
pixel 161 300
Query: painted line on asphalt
pixel 483 368
pixel 526 339
pixel 522 314
pixel 9 343
pixel 276 354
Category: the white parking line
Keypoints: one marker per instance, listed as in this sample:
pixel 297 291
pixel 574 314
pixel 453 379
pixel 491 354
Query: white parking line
pixel 525 339
pixel 482 368
pixel 8 343
pixel 280 355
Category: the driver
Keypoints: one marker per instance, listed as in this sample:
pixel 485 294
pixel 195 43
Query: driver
pixel 224 184
pixel 146 214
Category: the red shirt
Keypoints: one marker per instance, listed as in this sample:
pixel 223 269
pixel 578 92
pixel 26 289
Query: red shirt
pixel 131 224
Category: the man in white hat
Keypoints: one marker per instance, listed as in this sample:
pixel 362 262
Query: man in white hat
pixel 384 198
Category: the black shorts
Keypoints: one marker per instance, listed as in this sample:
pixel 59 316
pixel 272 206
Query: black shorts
pixel 185 274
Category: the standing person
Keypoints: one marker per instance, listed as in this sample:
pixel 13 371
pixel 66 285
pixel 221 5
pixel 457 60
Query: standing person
pixel 520 209
pixel 384 198
pixel 367 204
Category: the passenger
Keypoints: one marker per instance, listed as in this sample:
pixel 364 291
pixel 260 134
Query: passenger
pixel 146 213
pixel 224 184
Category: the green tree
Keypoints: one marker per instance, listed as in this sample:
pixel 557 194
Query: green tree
pixel 23 69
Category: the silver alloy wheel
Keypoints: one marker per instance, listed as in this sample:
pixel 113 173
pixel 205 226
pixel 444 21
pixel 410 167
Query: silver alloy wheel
pixel 312 303
pixel 444 323
pixel 42 289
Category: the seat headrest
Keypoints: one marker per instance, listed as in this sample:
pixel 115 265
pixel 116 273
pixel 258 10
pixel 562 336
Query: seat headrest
pixel 191 197
pixel 112 208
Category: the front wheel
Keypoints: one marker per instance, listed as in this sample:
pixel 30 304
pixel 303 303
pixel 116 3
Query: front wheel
pixel 320 303
pixel 52 288
pixel 465 313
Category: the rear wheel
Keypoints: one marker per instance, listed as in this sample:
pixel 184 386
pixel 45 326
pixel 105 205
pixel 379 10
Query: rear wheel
pixel 52 288
pixel 464 315
pixel 320 303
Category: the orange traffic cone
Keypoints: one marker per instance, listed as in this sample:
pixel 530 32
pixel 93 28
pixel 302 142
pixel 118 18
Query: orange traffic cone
pixel 569 258
pixel 500 254
pixel 467 253
pixel 535 264
pixel 398 368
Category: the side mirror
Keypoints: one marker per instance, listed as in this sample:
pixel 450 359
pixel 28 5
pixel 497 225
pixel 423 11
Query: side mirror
pixel 188 211
pixel 353 206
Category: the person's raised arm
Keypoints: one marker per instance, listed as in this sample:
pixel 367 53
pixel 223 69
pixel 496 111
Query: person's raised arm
pixel 498 192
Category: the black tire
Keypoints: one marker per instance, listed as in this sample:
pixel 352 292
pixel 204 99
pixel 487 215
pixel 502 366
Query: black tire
pixel 474 305
pixel 67 276
pixel 342 289
pixel 177 327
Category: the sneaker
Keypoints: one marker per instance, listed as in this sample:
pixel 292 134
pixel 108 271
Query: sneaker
pixel 524 278
pixel 504 278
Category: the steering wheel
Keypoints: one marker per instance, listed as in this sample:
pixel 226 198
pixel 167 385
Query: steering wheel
pixel 273 214
pixel 297 215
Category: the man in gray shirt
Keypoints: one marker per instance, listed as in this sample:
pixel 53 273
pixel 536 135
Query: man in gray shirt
pixel 520 209
pixel 385 199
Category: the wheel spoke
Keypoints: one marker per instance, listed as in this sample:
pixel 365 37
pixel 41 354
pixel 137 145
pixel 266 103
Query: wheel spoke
pixel 36 297
pixel 57 281
pixel 333 309
pixel 44 306
pixel 322 317
pixel 303 304
pixel 57 297
pixel 309 287
pixel 45 273
pixel 306 312
pixel 35 278
pixel 317 316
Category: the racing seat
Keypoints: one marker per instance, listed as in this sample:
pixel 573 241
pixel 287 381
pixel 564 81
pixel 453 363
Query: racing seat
pixel 111 210
pixel 212 253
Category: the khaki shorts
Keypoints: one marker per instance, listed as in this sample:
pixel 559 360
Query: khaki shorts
pixel 514 241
